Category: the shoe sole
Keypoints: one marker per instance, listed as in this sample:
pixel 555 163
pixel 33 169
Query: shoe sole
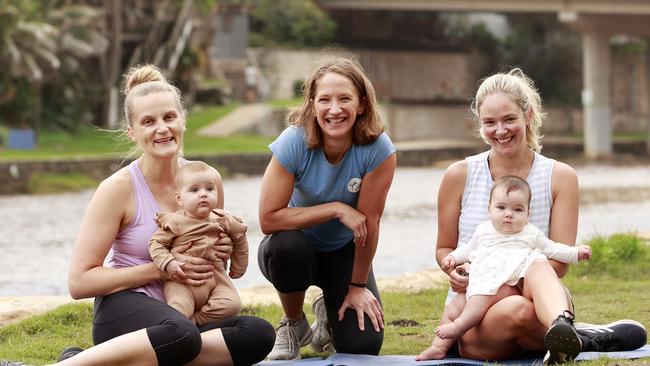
pixel 563 344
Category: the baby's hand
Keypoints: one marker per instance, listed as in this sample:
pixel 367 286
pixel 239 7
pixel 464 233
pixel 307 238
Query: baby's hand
pixel 175 271
pixel 584 252
pixel 448 262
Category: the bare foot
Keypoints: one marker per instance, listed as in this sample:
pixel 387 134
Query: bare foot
pixel 448 331
pixel 436 352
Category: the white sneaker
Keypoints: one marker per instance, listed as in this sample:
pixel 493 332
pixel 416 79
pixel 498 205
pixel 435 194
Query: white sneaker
pixel 322 340
pixel 290 336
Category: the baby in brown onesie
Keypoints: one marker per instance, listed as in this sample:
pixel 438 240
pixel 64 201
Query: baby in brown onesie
pixel 201 223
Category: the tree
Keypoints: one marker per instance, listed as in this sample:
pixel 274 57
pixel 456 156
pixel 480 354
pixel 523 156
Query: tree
pixel 42 48
pixel 291 23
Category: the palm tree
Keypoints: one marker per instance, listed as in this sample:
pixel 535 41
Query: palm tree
pixel 38 45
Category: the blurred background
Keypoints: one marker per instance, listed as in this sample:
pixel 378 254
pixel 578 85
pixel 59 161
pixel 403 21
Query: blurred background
pixel 62 60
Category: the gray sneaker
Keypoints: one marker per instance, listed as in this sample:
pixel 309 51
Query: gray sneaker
pixel 290 336
pixel 11 363
pixel 322 340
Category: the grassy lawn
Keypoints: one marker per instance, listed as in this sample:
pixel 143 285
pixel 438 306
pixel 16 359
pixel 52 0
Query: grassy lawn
pixel 92 142
pixel 612 286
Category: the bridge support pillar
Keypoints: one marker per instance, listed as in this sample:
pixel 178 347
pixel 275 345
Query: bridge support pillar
pixel 595 94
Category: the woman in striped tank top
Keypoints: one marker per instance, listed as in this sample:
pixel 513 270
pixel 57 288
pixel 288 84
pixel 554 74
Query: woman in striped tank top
pixel 509 112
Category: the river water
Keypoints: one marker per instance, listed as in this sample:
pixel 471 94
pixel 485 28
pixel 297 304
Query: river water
pixel 37 231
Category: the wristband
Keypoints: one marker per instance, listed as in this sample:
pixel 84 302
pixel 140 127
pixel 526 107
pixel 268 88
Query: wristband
pixel 359 285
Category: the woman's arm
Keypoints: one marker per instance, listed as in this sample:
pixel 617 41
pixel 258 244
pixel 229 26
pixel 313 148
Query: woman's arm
pixel 450 195
pixel 275 193
pixel 103 219
pixel 564 210
pixel 371 203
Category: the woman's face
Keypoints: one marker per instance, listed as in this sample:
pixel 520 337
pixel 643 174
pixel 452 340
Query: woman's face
pixel 157 124
pixel 503 124
pixel 336 105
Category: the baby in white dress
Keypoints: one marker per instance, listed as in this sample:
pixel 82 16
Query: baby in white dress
pixel 502 252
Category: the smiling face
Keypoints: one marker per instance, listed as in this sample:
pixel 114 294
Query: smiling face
pixel 508 210
pixel 336 106
pixel 197 193
pixel 157 124
pixel 503 124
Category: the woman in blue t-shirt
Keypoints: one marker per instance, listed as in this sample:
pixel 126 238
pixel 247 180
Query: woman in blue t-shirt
pixel 321 201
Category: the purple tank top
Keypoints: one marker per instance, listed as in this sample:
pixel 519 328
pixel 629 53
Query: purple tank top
pixel 131 246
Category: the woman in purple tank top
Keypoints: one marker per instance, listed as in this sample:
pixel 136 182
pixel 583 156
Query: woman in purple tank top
pixel 132 324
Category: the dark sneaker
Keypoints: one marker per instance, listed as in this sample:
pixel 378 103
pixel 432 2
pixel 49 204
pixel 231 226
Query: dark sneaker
pixel 621 335
pixel 562 340
pixel 69 352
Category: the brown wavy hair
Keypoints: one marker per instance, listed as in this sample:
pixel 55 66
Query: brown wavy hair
pixel 367 126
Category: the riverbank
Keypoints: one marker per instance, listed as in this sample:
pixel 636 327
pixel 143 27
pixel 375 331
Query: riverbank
pixel 16 174
pixel 16 308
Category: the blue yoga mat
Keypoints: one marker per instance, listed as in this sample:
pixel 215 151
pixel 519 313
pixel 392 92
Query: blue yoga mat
pixel 342 359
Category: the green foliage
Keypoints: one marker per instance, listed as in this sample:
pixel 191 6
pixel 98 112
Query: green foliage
pixel 289 23
pixel 548 53
pixel 615 256
pixel 43 46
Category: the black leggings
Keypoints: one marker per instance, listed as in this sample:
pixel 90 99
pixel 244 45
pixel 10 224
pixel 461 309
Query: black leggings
pixel 174 338
pixel 291 263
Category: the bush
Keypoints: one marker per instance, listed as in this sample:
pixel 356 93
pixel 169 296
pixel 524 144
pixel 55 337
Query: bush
pixel 614 255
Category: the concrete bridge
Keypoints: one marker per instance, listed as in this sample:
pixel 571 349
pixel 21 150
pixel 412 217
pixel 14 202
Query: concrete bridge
pixel 596 20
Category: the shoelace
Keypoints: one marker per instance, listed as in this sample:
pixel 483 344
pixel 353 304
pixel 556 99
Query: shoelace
pixel 568 316
pixel 287 334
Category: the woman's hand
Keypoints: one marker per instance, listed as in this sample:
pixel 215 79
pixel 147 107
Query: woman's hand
pixel 364 302
pixel 457 281
pixel 355 221
pixel 197 270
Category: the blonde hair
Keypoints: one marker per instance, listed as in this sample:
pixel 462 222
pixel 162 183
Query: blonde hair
pixel 141 81
pixel 194 167
pixel 367 126
pixel 521 89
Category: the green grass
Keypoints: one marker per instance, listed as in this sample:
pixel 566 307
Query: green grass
pixel 92 142
pixel 600 294
pixel 40 183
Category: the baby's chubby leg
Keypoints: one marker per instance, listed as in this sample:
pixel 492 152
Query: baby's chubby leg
pixel 473 313
pixel 439 346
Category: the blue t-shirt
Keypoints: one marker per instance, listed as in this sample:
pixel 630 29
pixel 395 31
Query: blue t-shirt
pixel 318 181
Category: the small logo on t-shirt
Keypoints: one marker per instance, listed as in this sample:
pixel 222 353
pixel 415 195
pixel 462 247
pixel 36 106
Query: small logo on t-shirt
pixel 354 185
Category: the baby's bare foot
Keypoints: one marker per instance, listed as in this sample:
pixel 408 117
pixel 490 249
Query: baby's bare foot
pixel 448 331
pixel 435 352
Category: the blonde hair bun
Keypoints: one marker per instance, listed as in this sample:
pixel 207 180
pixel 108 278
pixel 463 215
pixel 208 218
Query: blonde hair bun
pixel 138 75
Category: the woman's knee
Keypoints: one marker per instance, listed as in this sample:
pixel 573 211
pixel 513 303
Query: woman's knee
pixel 249 339
pixel 287 259
pixel 366 343
pixel 175 341
pixel 522 312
